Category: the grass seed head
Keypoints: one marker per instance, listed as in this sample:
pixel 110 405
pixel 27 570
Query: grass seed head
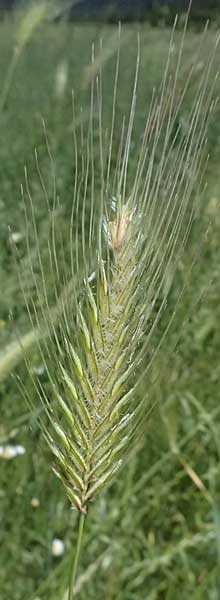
pixel 99 335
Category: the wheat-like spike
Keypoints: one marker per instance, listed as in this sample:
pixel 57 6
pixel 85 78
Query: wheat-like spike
pixel 124 240
pixel 101 372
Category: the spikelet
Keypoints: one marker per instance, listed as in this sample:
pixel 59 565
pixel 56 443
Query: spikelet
pixel 126 243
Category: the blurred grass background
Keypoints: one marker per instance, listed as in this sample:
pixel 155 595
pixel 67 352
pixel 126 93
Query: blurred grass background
pixel 155 535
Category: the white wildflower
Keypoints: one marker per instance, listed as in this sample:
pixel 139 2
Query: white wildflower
pixel 57 547
pixel 35 502
pixel 10 451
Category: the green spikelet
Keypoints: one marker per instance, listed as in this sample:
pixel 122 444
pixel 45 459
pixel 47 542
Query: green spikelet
pixel 96 391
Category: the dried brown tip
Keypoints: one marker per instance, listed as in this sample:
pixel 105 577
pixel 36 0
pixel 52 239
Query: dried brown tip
pixel 119 228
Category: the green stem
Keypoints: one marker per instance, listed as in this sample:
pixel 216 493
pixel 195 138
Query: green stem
pixel 76 557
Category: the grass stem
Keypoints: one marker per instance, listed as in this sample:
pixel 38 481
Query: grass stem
pixel 75 562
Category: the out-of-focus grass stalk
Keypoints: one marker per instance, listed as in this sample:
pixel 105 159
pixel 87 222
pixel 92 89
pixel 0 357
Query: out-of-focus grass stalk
pixel 16 350
pixel 29 21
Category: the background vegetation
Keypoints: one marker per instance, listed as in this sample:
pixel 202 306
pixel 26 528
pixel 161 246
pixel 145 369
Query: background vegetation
pixel 154 11
pixel 155 534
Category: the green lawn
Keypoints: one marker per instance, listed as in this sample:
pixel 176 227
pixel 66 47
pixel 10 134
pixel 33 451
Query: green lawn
pixel 155 534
